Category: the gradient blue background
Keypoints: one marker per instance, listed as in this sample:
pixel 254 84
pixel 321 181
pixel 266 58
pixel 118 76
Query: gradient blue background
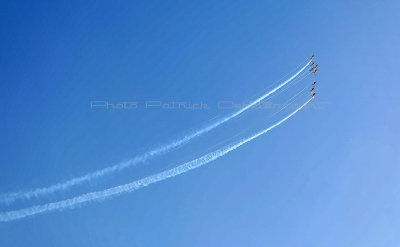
pixel 327 177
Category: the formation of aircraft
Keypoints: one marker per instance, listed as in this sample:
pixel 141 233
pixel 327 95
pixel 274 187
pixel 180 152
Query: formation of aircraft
pixel 313 69
pixel 312 91
pixel 314 66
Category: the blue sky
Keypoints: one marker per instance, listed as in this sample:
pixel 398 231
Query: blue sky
pixel 327 177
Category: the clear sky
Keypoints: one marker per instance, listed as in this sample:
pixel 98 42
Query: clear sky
pixel 326 177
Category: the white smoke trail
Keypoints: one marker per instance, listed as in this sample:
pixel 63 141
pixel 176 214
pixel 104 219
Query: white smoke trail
pixel 118 190
pixel 10 197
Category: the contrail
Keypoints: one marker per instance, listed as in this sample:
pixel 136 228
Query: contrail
pixel 11 197
pixel 137 184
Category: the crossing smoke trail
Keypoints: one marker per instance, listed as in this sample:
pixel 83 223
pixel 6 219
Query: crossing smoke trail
pixel 11 197
pixel 122 189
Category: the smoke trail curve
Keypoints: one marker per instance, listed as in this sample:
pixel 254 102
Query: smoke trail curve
pixel 11 197
pixel 137 184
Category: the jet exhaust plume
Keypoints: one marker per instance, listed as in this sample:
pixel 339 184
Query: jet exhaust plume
pixel 11 197
pixel 137 184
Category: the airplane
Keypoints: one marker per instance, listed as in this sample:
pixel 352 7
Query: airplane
pixel 312 64
pixel 313 95
pixel 315 82
pixel 312 57
pixel 315 71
